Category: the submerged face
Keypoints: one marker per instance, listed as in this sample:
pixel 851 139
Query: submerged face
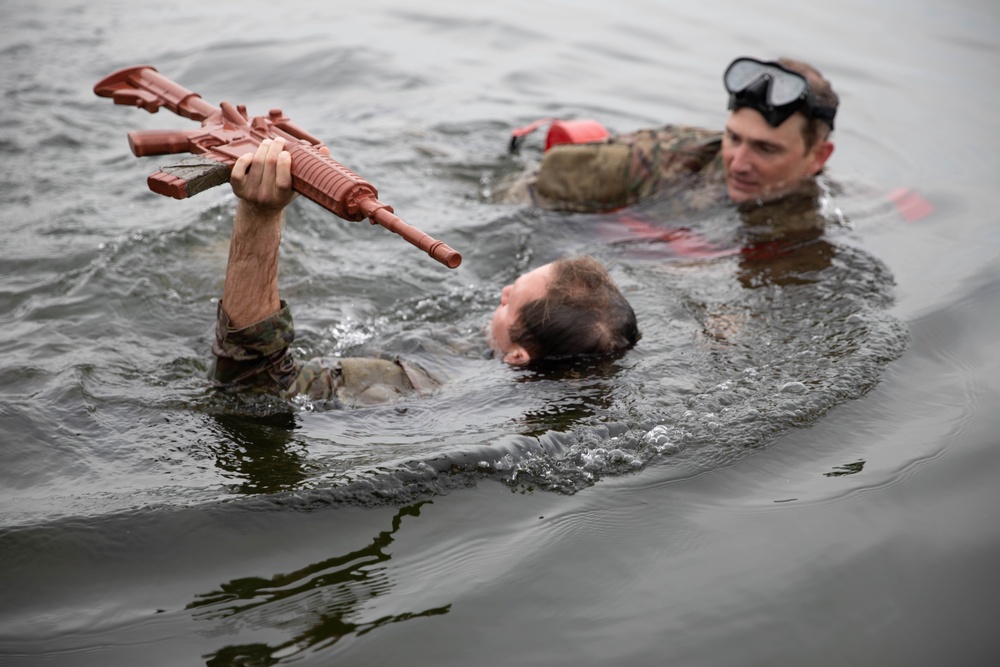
pixel 764 162
pixel 529 287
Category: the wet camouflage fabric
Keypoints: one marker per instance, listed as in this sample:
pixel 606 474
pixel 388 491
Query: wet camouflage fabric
pixel 258 357
pixel 661 159
pixel 621 170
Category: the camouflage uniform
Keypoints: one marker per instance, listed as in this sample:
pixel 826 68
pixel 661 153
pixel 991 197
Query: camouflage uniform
pixel 258 357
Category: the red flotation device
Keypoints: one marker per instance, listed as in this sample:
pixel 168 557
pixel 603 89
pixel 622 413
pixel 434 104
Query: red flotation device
pixel 581 131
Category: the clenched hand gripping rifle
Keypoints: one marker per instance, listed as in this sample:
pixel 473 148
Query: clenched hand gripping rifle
pixel 226 133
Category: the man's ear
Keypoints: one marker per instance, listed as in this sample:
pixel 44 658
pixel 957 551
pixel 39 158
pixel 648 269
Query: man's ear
pixel 823 151
pixel 517 356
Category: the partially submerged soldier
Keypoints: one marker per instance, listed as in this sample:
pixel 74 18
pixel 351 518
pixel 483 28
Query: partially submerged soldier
pixel 776 140
pixel 569 308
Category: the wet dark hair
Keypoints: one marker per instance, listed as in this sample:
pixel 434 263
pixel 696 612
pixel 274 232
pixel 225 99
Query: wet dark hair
pixel 582 314
pixel 815 129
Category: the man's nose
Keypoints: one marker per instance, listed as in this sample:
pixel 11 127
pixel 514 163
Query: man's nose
pixel 741 158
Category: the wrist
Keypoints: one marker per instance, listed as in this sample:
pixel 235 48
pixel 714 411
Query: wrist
pixel 258 215
pixel 256 233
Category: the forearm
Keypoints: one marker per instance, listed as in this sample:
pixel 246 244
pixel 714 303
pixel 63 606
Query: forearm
pixel 250 292
pixel 262 180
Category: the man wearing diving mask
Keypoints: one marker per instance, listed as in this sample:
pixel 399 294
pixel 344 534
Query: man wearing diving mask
pixel 777 134
pixel 776 140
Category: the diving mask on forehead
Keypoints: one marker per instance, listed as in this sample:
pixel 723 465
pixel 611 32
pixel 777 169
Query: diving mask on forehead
pixel 772 89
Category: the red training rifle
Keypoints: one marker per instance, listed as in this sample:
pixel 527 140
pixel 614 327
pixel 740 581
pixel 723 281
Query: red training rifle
pixel 227 132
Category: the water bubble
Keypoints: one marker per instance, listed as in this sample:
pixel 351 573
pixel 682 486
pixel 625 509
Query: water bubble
pixel 658 436
pixel 793 388
pixel 303 403
pixel 506 463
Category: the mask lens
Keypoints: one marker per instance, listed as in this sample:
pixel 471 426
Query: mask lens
pixel 785 88
pixel 741 74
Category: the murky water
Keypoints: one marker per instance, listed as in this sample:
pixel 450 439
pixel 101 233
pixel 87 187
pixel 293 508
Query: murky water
pixel 794 465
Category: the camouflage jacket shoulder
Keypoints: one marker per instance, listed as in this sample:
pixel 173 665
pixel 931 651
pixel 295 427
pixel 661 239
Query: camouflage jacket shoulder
pixel 620 170
pixel 664 158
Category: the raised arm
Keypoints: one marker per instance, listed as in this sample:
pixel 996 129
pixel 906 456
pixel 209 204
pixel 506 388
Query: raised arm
pixel 263 182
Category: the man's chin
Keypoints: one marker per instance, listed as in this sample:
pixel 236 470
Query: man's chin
pixel 754 196
pixel 740 195
pixel 743 194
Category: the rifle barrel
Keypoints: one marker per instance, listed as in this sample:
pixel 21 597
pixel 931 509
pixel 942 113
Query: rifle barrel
pixel 339 190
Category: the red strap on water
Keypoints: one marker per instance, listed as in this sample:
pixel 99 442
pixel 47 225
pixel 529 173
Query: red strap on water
pixel 910 204
pixel 681 242
pixel 528 129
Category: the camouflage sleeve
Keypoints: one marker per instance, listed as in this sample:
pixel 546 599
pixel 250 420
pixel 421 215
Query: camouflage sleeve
pixel 619 171
pixel 662 158
pixel 258 356
pixel 583 177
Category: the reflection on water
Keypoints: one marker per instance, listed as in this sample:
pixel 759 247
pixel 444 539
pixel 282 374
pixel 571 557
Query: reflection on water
pixel 259 451
pixel 315 606
pixel 846 469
